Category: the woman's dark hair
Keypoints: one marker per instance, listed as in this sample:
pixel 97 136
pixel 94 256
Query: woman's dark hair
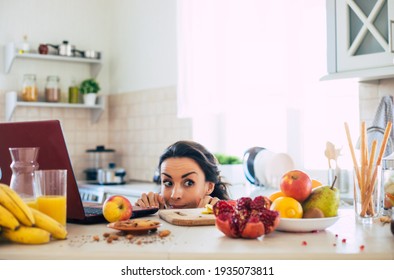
pixel 204 159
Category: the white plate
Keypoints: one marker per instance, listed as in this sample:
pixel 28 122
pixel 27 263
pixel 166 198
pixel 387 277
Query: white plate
pixel 306 225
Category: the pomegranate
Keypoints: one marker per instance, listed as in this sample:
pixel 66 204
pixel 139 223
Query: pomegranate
pixel 246 218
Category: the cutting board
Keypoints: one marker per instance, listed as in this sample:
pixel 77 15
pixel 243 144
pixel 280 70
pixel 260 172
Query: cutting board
pixel 187 217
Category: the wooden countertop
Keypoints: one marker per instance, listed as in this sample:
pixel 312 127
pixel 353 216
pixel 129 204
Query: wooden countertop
pixel 206 242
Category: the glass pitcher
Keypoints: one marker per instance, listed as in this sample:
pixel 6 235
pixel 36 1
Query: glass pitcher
pixel 24 163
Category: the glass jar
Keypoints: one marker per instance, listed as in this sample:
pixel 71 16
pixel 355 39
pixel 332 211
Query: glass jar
pixel 387 189
pixel 29 88
pixel 52 89
pixel 73 93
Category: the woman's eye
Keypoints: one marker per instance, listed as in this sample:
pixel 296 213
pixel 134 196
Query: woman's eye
pixel 167 183
pixel 189 183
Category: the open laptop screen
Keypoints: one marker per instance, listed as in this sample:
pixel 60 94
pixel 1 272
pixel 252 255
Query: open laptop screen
pixel 53 154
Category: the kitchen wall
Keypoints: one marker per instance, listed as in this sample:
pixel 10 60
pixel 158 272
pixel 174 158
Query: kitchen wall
pixel 141 124
pixel 138 77
pixel 143 102
pixel 143 44
pixel 371 93
pixel 138 40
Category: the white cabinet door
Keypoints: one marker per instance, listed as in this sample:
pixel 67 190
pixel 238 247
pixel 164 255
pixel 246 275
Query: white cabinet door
pixel 363 34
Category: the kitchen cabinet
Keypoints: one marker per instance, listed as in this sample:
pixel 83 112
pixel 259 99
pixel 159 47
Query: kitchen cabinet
pixel 359 40
pixel 12 102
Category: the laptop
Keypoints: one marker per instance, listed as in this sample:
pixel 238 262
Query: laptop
pixel 53 154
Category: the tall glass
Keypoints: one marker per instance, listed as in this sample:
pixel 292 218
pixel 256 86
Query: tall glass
pixel 52 193
pixel 367 184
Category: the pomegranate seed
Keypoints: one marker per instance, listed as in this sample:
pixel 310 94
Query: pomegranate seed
pixel 304 243
pixel 344 240
pixel 336 235
pixel 362 247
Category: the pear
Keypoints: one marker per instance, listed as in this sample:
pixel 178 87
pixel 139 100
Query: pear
pixel 325 198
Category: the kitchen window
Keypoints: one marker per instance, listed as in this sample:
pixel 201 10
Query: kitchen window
pixel 249 76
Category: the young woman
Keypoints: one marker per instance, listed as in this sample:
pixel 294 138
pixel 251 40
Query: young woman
pixel 190 178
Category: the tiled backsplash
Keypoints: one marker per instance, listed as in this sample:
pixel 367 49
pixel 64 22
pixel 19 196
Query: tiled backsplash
pixel 370 95
pixel 138 125
pixel 141 125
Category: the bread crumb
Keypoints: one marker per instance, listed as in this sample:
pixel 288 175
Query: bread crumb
pixel 164 233
pixel 129 236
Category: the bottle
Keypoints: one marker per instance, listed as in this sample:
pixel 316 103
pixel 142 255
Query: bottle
pixel 24 46
pixel 24 163
pixel 387 186
pixel 52 89
pixel 392 220
pixel 73 93
pixel 29 88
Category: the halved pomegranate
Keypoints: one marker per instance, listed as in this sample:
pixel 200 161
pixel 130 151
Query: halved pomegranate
pixel 246 218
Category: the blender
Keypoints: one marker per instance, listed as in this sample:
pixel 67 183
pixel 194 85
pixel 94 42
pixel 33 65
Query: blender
pixel 99 158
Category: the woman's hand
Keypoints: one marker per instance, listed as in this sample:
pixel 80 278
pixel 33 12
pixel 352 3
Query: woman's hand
pixel 151 200
pixel 208 200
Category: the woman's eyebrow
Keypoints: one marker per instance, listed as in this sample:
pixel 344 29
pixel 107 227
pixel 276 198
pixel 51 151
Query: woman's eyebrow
pixel 187 174
pixel 168 175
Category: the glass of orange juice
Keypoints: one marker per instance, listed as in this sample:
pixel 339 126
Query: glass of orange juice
pixel 52 193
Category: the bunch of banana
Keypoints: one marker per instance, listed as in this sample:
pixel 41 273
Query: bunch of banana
pixel 22 224
pixel 15 204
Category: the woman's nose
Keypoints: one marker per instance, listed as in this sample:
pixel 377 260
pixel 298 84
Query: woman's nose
pixel 176 192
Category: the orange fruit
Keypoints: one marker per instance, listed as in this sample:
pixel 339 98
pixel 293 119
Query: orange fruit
pixel 316 183
pixel 287 207
pixel 275 195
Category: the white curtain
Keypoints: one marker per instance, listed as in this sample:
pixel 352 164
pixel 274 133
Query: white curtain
pixel 256 64
pixel 225 50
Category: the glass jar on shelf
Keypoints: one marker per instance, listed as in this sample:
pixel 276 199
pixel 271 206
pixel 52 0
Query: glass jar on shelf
pixel 73 93
pixel 29 88
pixel 52 89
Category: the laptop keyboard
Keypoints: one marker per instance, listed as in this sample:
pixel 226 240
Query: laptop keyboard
pixel 93 211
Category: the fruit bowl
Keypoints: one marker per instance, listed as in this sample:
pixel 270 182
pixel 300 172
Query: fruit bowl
pixel 306 225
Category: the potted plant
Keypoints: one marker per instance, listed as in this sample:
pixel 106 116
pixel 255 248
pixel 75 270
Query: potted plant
pixel 231 168
pixel 89 89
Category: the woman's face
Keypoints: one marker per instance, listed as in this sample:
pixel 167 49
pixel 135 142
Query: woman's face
pixel 183 183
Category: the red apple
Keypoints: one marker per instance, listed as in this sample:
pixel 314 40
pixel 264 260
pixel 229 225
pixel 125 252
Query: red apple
pixel 296 184
pixel 117 208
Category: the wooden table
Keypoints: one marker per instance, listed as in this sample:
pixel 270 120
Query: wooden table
pixel 206 242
